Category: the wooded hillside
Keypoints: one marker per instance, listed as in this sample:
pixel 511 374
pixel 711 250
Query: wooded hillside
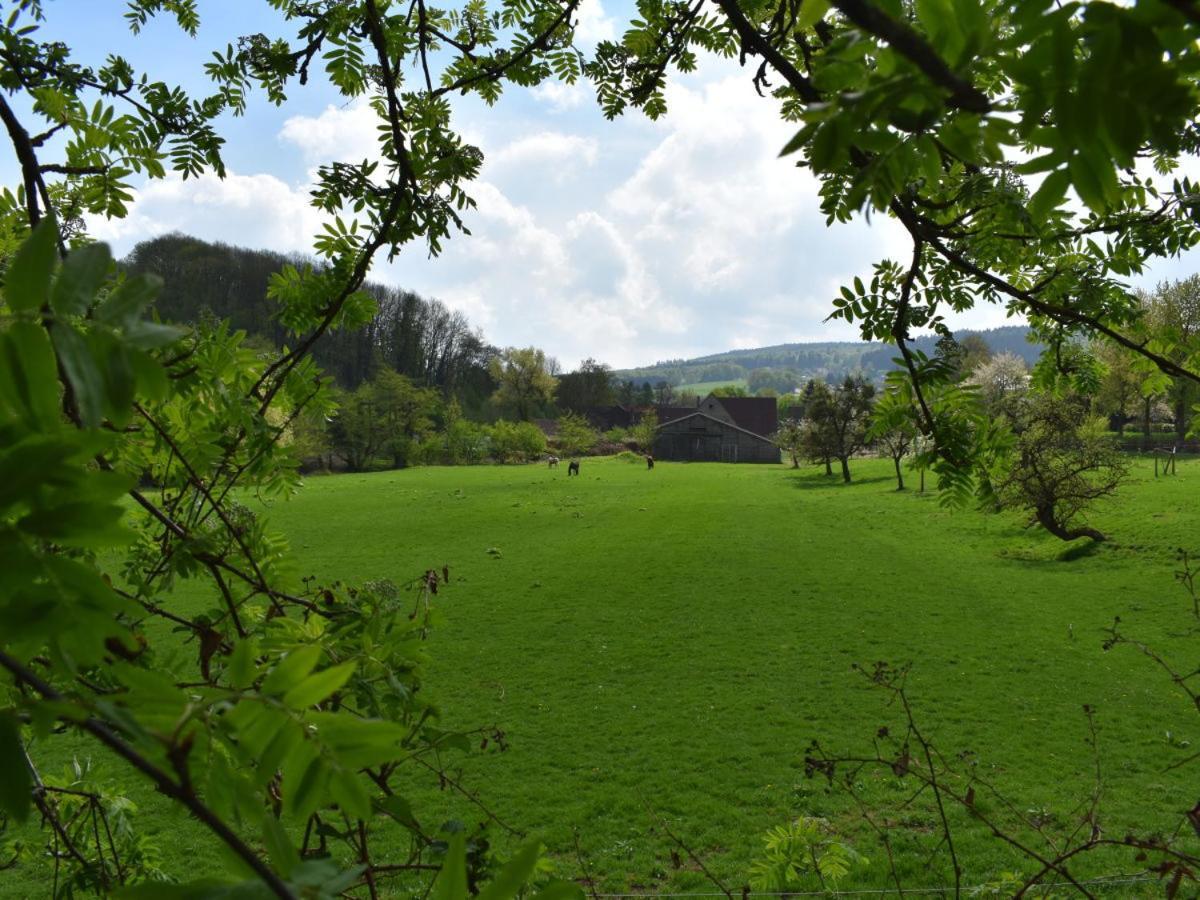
pixel 420 338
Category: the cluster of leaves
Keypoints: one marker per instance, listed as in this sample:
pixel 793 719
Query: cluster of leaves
pixel 805 850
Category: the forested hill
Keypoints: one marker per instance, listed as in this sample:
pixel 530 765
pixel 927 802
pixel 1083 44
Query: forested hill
pixel 829 360
pixel 420 338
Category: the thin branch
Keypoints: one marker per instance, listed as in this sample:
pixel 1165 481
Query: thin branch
pixel 182 794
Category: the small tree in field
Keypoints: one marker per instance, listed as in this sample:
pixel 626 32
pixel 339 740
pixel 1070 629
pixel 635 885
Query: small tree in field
pixel 841 416
pixel 1061 464
pixel 894 430
pixel 1003 382
pixel 790 438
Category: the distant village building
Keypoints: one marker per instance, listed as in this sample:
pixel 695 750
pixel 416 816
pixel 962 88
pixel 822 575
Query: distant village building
pixel 719 429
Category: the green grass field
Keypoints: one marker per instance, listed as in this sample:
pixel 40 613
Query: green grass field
pixel 666 643
pixel 704 388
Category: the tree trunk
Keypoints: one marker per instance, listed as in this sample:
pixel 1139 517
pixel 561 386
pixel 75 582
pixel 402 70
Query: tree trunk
pixel 899 475
pixel 922 480
pixel 828 465
pixel 845 468
pixel 1146 416
pixel 795 460
pixel 1046 519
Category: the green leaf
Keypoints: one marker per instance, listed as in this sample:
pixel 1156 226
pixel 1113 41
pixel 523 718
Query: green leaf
pixel 16 784
pixel 317 687
pixel 560 890
pixel 83 271
pixel 811 12
pixel 279 846
pixel 27 284
pixel 451 881
pixel 124 305
pixel 151 335
pixel 514 874
pixel 1049 195
pixel 292 669
pixel 346 788
pixel 28 377
pixel 243 668
pixel 87 383
pixel 1088 181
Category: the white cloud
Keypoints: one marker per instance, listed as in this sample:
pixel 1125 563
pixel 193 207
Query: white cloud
pixel 560 96
pixel 593 24
pixel 564 152
pixel 339 132
pixel 259 211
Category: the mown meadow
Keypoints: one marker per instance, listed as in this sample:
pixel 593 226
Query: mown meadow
pixel 660 647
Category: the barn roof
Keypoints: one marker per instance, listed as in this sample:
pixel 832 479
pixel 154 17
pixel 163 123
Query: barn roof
pixel 692 413
pixel 668 413
pixel 758 415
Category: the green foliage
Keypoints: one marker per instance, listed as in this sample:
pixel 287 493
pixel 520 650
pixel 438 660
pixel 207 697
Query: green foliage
pixel 575 436
pixel 839 418
pixel 645 431
pixel 515 441
pixel 590 385
pixel 1063 461
pixel 525 383
pixel 805 847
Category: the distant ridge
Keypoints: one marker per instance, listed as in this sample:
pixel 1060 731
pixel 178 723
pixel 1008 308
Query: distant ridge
pixel 829 360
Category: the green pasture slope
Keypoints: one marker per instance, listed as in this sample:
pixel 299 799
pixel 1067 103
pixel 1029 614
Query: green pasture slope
pixel 663 645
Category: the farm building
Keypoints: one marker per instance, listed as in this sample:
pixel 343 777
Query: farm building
pixel 716 431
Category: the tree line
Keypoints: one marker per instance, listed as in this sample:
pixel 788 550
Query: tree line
pixel 419 338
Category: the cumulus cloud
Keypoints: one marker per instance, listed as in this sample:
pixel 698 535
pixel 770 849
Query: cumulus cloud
pixel 554 153
pixel 559 96
pixel 259 211
pixel 339 132
pixel 594 24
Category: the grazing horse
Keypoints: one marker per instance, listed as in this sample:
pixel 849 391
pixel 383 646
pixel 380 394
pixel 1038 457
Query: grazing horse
pixel 553 461
pixel 573 468
pixel 649 461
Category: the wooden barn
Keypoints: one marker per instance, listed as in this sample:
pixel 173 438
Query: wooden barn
pixel 710 432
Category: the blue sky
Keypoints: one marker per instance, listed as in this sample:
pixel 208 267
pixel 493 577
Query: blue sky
pixel 628 241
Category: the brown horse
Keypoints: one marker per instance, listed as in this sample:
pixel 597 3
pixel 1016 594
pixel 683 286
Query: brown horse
pixel 649 461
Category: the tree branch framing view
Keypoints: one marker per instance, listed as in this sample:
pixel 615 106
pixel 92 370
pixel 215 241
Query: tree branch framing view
pixel 260 680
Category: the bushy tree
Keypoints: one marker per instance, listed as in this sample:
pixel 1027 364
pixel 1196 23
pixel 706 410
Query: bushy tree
pixel 515 441
pixel 1003 381
pixel 589 385
pixel 1061 464
pixel 840 417
pixel 894 429
pixel 526 385
pixel 575 436
pixel 790 439
pixel 1172 321
pixel 645 431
